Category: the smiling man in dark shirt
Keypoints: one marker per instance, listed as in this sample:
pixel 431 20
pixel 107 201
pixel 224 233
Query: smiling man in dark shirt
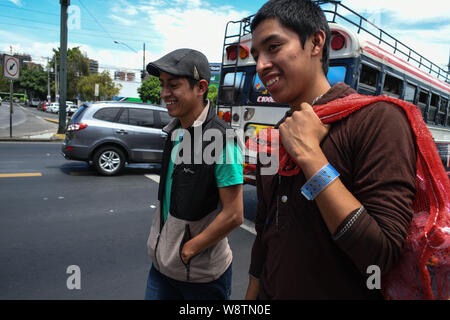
pixel 320 246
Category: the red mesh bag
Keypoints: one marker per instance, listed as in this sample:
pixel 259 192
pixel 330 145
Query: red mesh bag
pixel 423 270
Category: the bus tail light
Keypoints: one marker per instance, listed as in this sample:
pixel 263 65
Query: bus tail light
pixel 244 52
pixel 227 116
pixel 337 40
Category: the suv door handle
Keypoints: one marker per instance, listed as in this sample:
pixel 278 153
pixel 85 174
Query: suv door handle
pixel 121 131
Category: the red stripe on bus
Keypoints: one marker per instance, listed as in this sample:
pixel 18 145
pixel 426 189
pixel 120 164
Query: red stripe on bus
pixel 388 59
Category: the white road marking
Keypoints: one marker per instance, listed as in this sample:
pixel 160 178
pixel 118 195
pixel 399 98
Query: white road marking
pixel 248 226
pixel 153 177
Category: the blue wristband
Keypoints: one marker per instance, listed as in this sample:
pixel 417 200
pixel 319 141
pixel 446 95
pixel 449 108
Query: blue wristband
pixel 319 182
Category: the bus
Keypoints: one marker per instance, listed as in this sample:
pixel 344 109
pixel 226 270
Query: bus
pixel 362 55
pixel 21 97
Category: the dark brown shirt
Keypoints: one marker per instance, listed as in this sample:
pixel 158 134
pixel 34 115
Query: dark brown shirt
pixel 294 255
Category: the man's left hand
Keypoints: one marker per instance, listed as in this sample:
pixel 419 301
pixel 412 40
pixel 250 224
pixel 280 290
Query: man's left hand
pixel 302 133
pixel 186 252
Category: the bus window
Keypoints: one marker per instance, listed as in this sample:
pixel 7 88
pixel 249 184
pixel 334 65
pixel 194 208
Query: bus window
pixel 392 86
pixel 259 93
pixel 258 86
pixel 232 88
pixel 410 93
pixel 423 101
pixel 433 108
pixel 368 80
pixel 442 112
pixel 336 74
pixel 444 153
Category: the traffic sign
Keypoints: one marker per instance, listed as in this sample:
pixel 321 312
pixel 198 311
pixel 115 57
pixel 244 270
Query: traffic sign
pixel 10 67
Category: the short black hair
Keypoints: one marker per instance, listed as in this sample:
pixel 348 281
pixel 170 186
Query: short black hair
pixel 304 17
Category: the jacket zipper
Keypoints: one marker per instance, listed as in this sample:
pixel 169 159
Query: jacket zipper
pixel 186 238
pixel 161 225
pixel 156 248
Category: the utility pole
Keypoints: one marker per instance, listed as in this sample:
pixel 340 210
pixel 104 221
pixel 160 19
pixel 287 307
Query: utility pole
pixel 63 67
pixel 48 79
pixel 143 64
pixel 56 81
pixel 11 110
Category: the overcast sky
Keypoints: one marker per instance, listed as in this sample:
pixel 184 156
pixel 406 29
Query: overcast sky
pixel 32 26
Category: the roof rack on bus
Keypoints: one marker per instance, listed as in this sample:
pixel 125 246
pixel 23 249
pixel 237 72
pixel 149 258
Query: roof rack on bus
pixel 359 23
pixel 233 36
pixel 340 11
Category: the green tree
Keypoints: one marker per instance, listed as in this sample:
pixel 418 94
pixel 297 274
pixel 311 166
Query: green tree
pixel 212 94
pixel 77 66
pixel 107 88
pixel 4 83
pixel 150 90
pixel 33 80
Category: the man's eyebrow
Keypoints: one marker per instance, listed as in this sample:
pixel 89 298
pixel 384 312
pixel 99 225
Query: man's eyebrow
pixel 265 41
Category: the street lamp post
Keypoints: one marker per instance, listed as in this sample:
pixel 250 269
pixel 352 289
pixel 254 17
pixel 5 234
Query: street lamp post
pixel 124 44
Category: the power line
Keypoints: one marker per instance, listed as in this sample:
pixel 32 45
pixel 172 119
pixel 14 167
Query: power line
pixel 57 26
pixel 52 14
pixel 96 19
pixel 74 33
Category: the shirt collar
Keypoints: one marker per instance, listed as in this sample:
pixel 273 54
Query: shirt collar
pixel 202 117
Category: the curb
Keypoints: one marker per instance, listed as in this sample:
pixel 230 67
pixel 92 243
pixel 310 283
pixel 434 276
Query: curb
pixel 54 138
pixel 52 120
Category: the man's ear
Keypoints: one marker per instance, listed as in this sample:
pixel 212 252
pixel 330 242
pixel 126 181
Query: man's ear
pixel 202 86
pixel 318 41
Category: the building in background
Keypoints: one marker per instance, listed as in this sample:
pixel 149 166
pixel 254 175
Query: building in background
pixel 129 82
pixel 30 64
pixel 93 66
pixel 215 73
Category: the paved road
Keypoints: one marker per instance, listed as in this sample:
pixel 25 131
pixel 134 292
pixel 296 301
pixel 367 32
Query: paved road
pixel 27 121
pixel 58 213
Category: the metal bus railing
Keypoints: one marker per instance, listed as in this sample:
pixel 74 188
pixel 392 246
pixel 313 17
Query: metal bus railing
pixel 338 12
pixel 341 11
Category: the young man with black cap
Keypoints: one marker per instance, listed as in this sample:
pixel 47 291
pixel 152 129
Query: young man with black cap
pixel 200 192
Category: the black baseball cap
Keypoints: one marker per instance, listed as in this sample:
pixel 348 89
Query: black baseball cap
pixel 184 63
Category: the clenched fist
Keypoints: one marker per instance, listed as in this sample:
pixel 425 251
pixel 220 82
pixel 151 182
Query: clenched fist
pixel 301 135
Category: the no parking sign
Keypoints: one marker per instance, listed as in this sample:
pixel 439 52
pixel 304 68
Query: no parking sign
pixel 10 67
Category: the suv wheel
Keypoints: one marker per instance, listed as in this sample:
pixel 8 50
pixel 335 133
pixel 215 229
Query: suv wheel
pixel 109 160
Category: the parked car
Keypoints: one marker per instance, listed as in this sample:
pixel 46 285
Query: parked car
pixel 41 105
pixel 111 134
pixel 71 108
pixel 45 105
pixel 34 102
pixel 52 107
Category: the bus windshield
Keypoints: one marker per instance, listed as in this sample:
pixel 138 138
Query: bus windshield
pixel 233 83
